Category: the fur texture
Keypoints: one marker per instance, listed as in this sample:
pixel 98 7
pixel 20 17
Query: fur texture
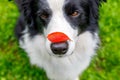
pixel 42 17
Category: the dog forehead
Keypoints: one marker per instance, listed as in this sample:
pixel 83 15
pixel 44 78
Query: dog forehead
pixel 59 4
pixel 56 4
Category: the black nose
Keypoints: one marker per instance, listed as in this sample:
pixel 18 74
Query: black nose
pixel 59 48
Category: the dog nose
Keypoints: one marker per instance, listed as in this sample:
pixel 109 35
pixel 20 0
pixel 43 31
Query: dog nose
pixel 59 48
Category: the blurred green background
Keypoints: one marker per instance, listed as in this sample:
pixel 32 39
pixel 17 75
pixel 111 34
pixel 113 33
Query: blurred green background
pixel 14 63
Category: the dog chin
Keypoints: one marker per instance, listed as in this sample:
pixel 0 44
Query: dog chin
pixel 61 56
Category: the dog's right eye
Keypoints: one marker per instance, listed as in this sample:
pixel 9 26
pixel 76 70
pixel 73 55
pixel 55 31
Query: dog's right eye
pixel 44 15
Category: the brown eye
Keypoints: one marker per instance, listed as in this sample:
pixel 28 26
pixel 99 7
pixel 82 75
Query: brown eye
pixel 44 16
pixel 75 13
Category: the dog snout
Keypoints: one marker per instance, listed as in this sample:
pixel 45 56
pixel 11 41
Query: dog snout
pixel 59 48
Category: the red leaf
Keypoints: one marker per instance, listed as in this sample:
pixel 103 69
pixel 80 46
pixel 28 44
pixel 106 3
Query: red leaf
pixel 57 37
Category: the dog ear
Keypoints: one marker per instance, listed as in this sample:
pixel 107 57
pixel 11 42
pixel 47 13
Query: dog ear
pixel 94 14
pixel 25 9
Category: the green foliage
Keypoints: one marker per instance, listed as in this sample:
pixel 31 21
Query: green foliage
pixel 106 65
pixel 14 63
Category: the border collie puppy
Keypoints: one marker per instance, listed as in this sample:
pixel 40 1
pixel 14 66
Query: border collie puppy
pixel 60 36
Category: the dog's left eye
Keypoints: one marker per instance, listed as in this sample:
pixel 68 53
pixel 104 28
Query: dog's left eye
pixel 74 13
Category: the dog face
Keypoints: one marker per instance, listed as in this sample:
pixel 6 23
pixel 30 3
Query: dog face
pixel 72 18
pixel 66 16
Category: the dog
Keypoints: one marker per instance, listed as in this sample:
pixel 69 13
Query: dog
pixel 60 36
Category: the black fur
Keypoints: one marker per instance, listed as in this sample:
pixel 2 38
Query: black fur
pixel 36 15
pixel 29 9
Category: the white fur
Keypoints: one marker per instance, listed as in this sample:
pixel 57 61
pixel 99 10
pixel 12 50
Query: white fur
pixel 64 68
pixel 73 64
pixel 58 23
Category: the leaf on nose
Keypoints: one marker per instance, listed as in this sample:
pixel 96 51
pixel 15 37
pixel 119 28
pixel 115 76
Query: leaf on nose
pixel 57 37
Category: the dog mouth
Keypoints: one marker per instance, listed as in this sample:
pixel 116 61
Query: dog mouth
pixel 61 56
